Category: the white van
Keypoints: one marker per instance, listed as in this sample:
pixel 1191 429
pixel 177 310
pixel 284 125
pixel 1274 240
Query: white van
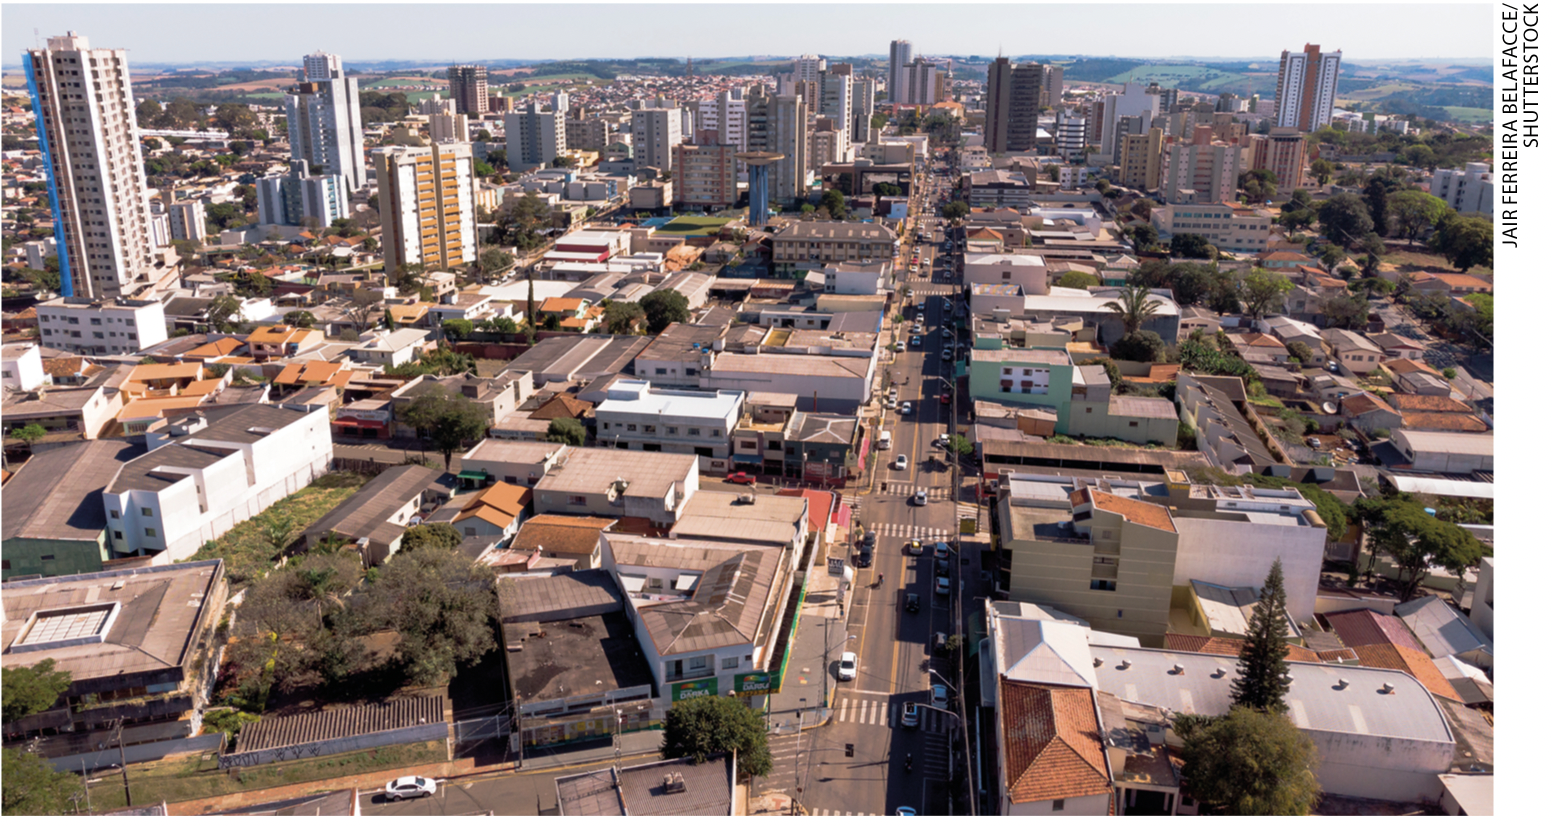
pixel 884 440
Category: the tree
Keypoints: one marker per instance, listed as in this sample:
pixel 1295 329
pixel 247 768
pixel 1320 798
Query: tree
pixel 224 216
pixel 1259 184
pixel 32 689
pixel 493 260
pixel 663 308
pixel 1141 345
pixel 1465 241
pixel 1345 219
pixel 1302 352
pixel 1415 540
pixel 1331 255
pixel 1376 194
pixel 1075 280
pixel 442 603
pixel 360 311
pixel 1263 666
pixel 29 433
pixel 1347 312
pixel 702 727
pixel 884 189
pixel 300 318
pixel 276 528
pixel 1323 170
pixel 835 202
pixel 1191 282
pixel 457 329
pixel 32 787
pixel 1191 245
pixel 566 431
pixel 445 421
pixel 1414 210
pixel 224 314
pixel 409 277
pixel 1144 236
pixel 955 210
pixel 431 535
pixel 621 317
pixel 1300 199
pixel 1135 306
pixel 1263 291
pixel 1248 763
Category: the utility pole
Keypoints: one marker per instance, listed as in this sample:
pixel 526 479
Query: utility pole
pixel 519 731
pixel 118 732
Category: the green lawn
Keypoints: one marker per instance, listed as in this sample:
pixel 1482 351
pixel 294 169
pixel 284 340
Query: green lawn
pixel 198 778
pixel 249 556
pixel 694 225
pixel 1469 114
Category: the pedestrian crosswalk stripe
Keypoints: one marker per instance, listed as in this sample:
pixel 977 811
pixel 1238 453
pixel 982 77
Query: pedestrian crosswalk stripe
pixel 938 493
pixel 925 534
pixel 872 713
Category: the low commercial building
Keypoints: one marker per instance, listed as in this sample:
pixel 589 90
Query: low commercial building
pixel 513 462
pixel 636 416
pixel 391 349
pixel 1444 452
pixel 668 788
pixel 1078 397
pixel 23 367
pixel 998 188
pixel 209 471
pixel 84 410
pixel 375 517
pixel 802 246
pixel 53 522
pixel 101 326
pixel 595 482
pixel 858 277
pixel 1029 272
pixel 137 643
pixel 1227 226
pixel 838 383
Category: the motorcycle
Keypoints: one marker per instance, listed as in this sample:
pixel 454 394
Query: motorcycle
pixel 907 761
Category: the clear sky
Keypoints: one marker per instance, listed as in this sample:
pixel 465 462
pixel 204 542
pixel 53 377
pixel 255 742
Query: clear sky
pixel 240 31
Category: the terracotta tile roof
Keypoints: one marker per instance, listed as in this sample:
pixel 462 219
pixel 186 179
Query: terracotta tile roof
pixel 1142 513
pixel 1157 374
pixel 152 372
pixel 1368 627
pixel 1338 655
pixel 1457 280
pixel 562 407
pixel 1229 647
pixel 567 535
pixel 216 349
pixel 1413 403
pixel 1256 340
pixel 1458 422
pixel 1359 404
pixel 1403 366
pixel 69 366
pixel 1285 256
pixel 494 516
pixel 557 304
pixel 1053 743
pixel 1416 663
pixel 506 497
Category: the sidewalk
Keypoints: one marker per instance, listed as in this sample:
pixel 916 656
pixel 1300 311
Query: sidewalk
pixel 807 687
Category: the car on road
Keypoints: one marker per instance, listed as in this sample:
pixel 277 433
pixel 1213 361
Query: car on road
pixel 921 318
pixel 905 408
pixel 889 403
pixel 739 478
pixel 941 441
pixel 912 603
pixel 922 305
pixel 869 541
pixel 942 587
pixel 945 398
pixel 939 642
pixel 848 669
pixel 905 811
pixel 914 547
pixel 410 786
pixel 948 355
pixel 940 550
pixel 920 497
pixel 917 329
pixel 900 462
pixel 865 558
pixel 939 696
pixel 941 567
pixel 899 347
pixel 910 715
pixel 915 341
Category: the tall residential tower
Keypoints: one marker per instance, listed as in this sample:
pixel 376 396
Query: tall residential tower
pixel 467 87
pixel 323 116
pixel 1306 88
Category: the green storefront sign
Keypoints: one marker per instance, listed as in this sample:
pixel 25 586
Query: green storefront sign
pixel 690 689
pixel 759 682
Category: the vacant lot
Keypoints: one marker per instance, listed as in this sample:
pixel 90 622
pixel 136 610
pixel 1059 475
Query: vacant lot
pixel 693 225
pixel 249 554
pixel 1469 114
pixel 1421 260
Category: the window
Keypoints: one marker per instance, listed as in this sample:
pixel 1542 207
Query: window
pixel 145 511
pixel 576 500
pixel 1058 805
pixel 606 425
pixel 631 428
pixel 695 431
pixel 118 535
pixel 729 662
pixel 1104 534
pixel 703 451
pixel 150 532
pixel 1131 424
pixel 113 514
pixel 1102 585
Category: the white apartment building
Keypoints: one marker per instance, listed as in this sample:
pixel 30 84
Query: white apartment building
pixel 789 136
pixel 655 133
pixel 899 58
pixel 835 103
pixel 323 116
pixel 1026 271
pixel 21 366
pixel 864 94
pixel 290 199
pixel 535 137
pixel 1229 227
pixel 320 65
pixel 726 118
pixel 205 473
pixel 101 327
pixel 430 225
pixel 637 416
pixel 444 128
pixel 96 175
pixel 1201 172
pixel 1071 135
pixel 857 278
pixel 187 220
pixel 1133 101
pixel 1468 191
pixel 1306 88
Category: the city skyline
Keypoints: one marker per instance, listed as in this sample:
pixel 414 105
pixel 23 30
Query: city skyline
pixel 1155 31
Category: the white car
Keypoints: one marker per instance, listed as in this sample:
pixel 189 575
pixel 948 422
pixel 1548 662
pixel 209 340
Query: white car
pixel 848 669
pixel 905 408
pixel 889 403
pixel 410 786
pixel 900 462
pixel 899 347
pixel 920 497
pixel 939 696
pixel 917 330
pixel 921 318
pixel 942 440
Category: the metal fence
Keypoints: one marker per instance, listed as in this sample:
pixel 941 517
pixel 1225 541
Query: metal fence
pixel 483 728
pixel 338 745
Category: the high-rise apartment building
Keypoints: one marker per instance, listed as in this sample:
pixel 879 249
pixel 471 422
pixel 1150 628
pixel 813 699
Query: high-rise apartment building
pixel 1133 101
pixel 1306 88
pixel 446 128
pixel 587 133
pixel 186 220
pixel 808 67
pixel 654 134
pixel 320 66
pixel 1468 191
pixel 1051 88
pixel 864 96
pixel 534 137
pixel 999 104
pixel 705 176
pixel 1282 153
pixel 1071 134
pixel 296 196
pixel 899 58
pixel 468 88
pixel 725 119
pixel 96 175
pixel 425 196
pixel 835 104
pixel 323 116
pixel 923 83
pixel 789 136
pixel 1202 171
pixel 1141 156
pixel 1024 106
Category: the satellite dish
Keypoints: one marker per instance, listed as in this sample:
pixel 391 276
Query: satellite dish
pixel 1329 408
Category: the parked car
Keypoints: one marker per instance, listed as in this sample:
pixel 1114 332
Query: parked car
pixel 942 586
pixel 939 696
pixel 864 557
pixel 915 341
pixel 869 540
pixel 740 478
pixel 941 567
pixel 890 403
pixel 939 642
pixel 920 498
pixel 410 786
pixel 910 715
pixel 905 811
pixel 899 347
pixel 900 462
pixel 945 398
pixel 848 669
pixel 940 550
pixel 941 440
pixel 917 329
pixel 912 603
pixel 948 355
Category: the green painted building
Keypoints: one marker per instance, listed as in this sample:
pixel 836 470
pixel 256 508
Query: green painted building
pixel 54 523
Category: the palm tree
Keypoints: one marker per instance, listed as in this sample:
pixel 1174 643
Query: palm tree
pixel 1136 306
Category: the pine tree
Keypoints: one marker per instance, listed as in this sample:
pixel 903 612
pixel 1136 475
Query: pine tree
pixel 1263 667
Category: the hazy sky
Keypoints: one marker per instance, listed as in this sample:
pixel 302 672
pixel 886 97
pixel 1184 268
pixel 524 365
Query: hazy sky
pixel 237 31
